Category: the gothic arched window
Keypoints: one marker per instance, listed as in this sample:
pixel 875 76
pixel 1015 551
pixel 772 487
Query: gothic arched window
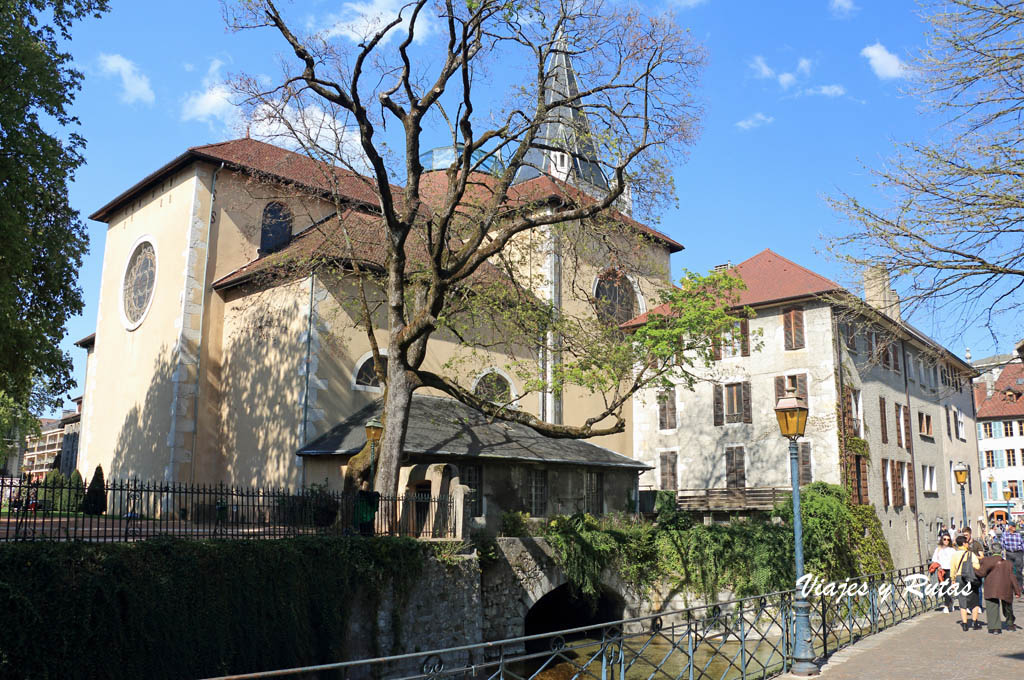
pixel 614 297
pixel 275 228
pixel 494 388
pixel 366 376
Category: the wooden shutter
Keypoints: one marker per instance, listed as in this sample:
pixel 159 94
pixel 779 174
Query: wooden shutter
pixel 907 439
pixel 895 358
pixel 716 347
pixel 787 327
pixel 748 415
pixel 886 351
pixel 886 482
pixel 719 405
pixel 744 338
pixel 896 471
pixel 780 387
pixel 805 463
pixel 863 479
pixel 798 328
pixel 911 487
pixel 668 469
pixel 735 474
pixel 881 413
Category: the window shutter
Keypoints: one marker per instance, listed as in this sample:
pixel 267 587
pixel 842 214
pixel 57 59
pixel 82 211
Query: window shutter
pixel 886 482
pixel 780 387
pixel 896 424
pixel 748 415
pixel 895 358
pixel 735 474
pixel 886 352
pixel 719 406
pixel 787 327
pixel 907 439
pixel 798 329
pixel 805 463
pixel 716 346
pixel 912 487
pixel 801 386
pixel 863 491
pixel 744 338
pixel 881 413
pixel 896 482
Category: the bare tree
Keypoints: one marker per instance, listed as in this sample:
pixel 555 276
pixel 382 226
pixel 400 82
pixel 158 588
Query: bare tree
pixel 453 252
pixel 951 231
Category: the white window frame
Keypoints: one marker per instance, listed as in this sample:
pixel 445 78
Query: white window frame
pixel 674 450
pixel 961 432
pixel 856 401
pixel 130 325
pixel 503 374
pixel 887 481
pixel 906 487
pixel 355 373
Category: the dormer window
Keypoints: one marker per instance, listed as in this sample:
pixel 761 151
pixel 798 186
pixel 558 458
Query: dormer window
pixel 275 228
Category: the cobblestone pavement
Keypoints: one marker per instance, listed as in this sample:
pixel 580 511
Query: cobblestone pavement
pixel 932 646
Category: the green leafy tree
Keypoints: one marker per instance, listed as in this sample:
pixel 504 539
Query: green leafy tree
pixel 76 491
pixel 95 502
pixel 44 238
pixel 53 490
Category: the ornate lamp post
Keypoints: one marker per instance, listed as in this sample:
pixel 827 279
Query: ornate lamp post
pixel 374 430
pixel 1007 495
pixel 960 472
pixel 791 412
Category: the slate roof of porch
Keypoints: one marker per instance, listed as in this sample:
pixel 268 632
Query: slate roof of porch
pixel 444 427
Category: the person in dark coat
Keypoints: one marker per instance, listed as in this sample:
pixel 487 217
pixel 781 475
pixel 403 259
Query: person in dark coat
pixel 1000 588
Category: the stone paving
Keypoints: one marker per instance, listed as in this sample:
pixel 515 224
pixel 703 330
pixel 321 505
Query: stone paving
pixel 932 646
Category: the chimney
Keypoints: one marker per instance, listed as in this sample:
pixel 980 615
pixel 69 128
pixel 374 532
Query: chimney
pixel 879 294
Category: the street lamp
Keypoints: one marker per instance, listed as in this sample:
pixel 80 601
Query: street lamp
pixel 374 430
pixel 960 472
pixel 791 412
pixel 1007 495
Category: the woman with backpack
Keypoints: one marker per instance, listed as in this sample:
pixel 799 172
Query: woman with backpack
pixel 963 564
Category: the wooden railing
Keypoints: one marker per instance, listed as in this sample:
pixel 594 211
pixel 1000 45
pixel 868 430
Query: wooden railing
pixel 753 498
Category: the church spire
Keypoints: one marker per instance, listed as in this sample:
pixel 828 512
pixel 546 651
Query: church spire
pixel 564 146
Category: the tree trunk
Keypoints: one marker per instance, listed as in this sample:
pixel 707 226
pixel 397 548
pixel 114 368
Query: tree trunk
pixel 396 419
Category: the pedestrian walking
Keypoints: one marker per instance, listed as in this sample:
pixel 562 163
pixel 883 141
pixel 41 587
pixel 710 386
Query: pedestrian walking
pixel 974 545
pixel 1000 588
pixel 964 565
pixel 942 562
pixel 1013 547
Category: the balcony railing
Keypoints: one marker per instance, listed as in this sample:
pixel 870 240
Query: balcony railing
pixel 736 498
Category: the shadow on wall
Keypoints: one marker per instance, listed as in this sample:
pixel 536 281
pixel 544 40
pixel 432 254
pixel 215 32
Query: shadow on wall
pixel 142 451
pixel 262 386
pixel 560 609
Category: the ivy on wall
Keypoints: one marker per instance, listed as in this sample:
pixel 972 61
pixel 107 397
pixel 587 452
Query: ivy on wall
pixel 167 608
pixel 744 557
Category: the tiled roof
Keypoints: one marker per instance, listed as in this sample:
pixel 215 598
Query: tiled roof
pixel 361 241
pixel 769 278
pixel 1001 404
pixel 263 160
pixel 445 427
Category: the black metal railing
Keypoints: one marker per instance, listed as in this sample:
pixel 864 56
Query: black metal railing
pixel 132 510
pixel 739 639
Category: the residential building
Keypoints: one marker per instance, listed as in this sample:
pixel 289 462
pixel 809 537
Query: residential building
pixel 221 354
pixel 41 450
pixel 890 412
pixel 999 396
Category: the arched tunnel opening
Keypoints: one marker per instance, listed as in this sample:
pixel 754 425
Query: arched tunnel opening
pixel 561 609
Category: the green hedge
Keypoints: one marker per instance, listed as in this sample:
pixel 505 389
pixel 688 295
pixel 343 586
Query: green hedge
pixel 170 608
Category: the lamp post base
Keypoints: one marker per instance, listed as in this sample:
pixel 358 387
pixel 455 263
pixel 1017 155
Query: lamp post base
pixel 803 648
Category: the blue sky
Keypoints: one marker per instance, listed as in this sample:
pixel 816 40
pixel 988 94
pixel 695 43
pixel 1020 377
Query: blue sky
pixel 798 98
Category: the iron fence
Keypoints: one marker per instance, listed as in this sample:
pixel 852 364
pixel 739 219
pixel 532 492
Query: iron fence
pixel 132 510
pixel 739 639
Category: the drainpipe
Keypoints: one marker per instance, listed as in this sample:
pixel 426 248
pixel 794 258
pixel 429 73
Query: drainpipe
pixel 913 459
pixel 202 314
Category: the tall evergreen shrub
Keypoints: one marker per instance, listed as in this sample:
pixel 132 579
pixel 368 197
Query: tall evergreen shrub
pixel 95 502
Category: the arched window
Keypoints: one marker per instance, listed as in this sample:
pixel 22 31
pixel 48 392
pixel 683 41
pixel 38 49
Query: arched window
pixel 275 228
pixel 493 387
pixel 366 377
pixel 615 299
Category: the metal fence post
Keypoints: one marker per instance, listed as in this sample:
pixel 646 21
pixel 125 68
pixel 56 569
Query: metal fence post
pixel 743 643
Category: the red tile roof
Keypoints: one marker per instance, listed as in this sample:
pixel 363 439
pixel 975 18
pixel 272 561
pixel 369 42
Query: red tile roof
pixel 1007 395
pixel 770 278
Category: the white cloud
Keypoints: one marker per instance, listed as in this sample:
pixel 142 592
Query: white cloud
pixel 754 121
pixel 786 80
pixel 842 7
pixel 687 4
pixel 212 103
pixel 358 21
pixel 826 90
pixel 884 63
pixel 134 84
pixel 761 68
